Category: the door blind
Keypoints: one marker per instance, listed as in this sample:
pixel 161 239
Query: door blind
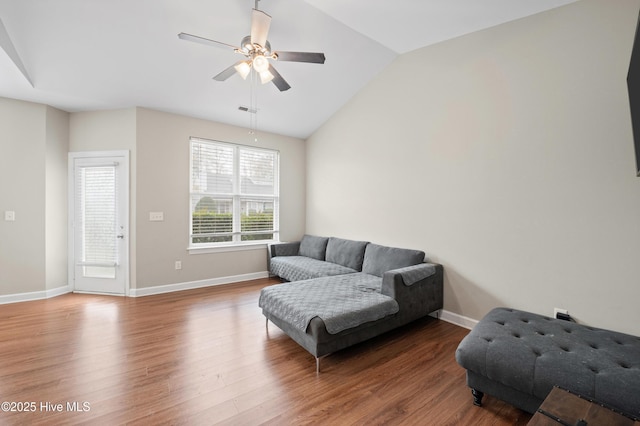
pixel 96 219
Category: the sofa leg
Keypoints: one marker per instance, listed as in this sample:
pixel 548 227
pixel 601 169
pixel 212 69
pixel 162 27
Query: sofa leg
pixel 318 363
pixel 266 327
pixel 477 397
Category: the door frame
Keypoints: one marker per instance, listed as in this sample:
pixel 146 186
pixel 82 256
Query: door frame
pixel 125 259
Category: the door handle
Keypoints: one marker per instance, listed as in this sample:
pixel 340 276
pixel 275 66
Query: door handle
pixel 121 236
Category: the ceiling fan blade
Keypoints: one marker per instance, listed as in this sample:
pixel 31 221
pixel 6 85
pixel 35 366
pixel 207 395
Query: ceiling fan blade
pixel 206 41
pixel 280 82
pixel 227 72
pixel 314 58
pixel 260 23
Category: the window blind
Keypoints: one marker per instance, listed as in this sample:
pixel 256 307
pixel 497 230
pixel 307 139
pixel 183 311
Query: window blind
pixel 234 193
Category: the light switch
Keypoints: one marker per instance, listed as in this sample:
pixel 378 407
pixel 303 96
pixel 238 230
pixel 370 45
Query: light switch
pixel 9 216
pixel 156 216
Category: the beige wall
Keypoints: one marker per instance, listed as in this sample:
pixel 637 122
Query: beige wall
pixel 22 173
pixel 163 186
pixel 507 155
pixel 33 146
pixel 34 142
pixel 57 147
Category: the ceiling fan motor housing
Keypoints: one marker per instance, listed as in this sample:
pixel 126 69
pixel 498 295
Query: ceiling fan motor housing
pixel 247 47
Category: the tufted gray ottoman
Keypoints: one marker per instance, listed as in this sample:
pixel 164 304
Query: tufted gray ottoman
pixel 518 357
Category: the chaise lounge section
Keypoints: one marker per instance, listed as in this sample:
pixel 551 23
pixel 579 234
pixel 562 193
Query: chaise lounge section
pixel 343 292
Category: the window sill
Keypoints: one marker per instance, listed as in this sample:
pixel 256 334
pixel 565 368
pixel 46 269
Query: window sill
pixel 262 245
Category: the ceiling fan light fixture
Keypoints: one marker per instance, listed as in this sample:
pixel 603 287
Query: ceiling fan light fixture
pixel 243 68
pixel 265 77
pixel 260 63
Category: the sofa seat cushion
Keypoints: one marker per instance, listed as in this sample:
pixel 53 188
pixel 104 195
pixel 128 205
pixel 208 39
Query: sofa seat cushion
pixel 297 268
pixel 532 353
pixel 342 302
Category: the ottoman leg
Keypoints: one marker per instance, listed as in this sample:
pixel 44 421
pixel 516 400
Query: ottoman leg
pixel 477 397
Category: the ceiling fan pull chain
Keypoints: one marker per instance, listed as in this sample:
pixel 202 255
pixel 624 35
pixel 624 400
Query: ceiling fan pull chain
pixel 253 120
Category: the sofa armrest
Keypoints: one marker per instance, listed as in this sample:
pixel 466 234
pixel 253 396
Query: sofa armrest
pixel 415 273
pixel 284 249
pixel 417 289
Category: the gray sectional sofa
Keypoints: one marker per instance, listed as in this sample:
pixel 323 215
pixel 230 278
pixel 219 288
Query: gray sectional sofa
pixel 341 292
pixel 519 356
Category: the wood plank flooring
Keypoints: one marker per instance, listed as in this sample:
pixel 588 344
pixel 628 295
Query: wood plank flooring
pixel 203 357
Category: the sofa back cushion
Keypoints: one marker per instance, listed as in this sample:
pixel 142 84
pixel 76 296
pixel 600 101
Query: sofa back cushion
pixel 313 247
pixel 380 259
pixel 347 253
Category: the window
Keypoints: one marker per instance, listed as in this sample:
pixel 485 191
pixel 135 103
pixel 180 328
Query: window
pixel 234 194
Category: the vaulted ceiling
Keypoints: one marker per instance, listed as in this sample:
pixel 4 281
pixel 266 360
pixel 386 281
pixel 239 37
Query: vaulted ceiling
pixel 84 55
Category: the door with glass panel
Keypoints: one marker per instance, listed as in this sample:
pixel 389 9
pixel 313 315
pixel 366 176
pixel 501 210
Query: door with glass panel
pixel 98 222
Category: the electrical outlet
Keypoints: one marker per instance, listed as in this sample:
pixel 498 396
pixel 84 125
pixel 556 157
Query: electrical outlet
pixel 557 311
pixel 156 216
pixel 178 265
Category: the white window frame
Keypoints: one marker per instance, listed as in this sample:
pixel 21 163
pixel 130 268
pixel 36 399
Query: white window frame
pixel 238 197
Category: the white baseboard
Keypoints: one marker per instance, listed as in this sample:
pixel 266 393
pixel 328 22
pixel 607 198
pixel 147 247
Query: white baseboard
pixel 59 291
pixel 34 295
pixel 458 319
pixel 168 288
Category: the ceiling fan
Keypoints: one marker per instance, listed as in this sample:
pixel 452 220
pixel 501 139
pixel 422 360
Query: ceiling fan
pixel 257 51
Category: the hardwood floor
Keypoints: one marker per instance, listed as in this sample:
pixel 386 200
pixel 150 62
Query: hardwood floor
pixel 205 357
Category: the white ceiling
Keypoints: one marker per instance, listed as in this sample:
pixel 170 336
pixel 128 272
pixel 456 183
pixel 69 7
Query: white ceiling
pixel 107 54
